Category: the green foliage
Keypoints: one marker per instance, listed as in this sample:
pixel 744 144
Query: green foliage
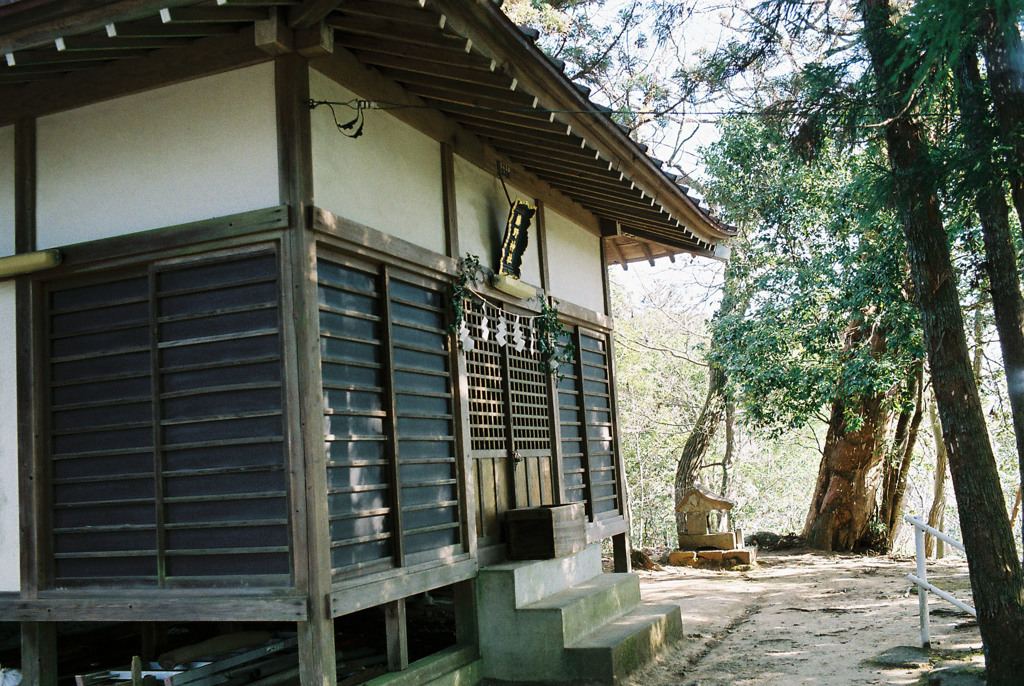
pixel 820 267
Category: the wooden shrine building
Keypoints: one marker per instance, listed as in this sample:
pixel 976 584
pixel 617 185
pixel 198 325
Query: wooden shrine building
pixel 229 387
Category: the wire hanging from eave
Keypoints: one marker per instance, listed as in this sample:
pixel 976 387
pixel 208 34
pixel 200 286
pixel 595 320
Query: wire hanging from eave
pixel 360 107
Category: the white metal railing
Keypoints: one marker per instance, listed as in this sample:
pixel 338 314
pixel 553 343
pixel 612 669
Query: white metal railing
pixel 921 578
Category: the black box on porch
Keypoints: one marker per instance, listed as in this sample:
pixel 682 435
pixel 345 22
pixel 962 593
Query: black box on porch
pixel 549 531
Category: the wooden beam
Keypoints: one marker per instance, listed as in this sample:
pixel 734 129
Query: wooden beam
pixel 614 247
pixel 40 57
pixel 377 28
pixel 213 15
pixel 144 605
pixel 310 13
pixel 116 42
pixel 314 41
pixel 272 35
pixel 609 227
pixel 154 28
pixel 427 73
pixel 206 56
pixel 442 53
pixel 414 16
pixel 647 251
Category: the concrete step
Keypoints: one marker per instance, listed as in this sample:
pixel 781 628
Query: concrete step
pixel 569 615
pixel 611 652
pixel 525 582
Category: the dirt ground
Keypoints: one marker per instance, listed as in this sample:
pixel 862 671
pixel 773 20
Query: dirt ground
pixel 811 618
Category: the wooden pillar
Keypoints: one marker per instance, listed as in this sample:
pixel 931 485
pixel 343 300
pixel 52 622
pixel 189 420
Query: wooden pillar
pixel 620 542
pixel 397 635
pixel 465 613
pixel 38 639
pixel 451 210
pixel 317 664
pixel 39 653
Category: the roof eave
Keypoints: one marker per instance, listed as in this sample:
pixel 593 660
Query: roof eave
pixel 483 22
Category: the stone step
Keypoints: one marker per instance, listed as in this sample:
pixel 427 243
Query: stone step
pixel 569 615
pixel 529 581
pixel 611 652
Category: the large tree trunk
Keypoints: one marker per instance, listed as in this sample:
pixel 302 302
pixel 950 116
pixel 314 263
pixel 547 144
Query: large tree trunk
pixel 937 513
pixel 1004 57
pixel 1001 257
pixel 996 579
pixel 844 495
pixel 897 462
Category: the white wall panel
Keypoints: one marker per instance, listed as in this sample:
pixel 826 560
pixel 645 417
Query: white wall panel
pixel 389 178
pixel 6 190
pixel 192 151
pixel 575 267
pixel 483 213
pixel 10 568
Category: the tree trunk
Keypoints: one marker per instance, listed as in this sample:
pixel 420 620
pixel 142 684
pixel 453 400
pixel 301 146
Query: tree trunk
pixel 844 495
pixel 1001 256
pixel 937 513
pixel 1004 52
pixel 692 457
pixel 727 458
pixel 897 465
pixel 996 579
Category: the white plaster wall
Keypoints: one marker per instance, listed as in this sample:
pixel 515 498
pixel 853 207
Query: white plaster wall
pixel 483 212
pixel 389 178
pixel 6 190
pixel 575 262
pixel 191 151
pixel 10 566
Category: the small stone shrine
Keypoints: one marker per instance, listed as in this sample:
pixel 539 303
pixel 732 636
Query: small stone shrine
pixel 696 506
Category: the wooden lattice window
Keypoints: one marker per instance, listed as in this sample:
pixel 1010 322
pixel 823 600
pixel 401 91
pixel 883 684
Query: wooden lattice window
pixel 389 427
pixel 165 441
pixel 510 417
pixel 484 367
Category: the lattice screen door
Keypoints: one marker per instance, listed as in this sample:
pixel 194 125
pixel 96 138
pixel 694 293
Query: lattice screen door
pixel 510 423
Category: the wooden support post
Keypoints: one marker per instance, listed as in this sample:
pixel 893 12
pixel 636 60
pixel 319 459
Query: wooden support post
pixel 451 213
pixel 38 639
pixel 465 613
pixel 542 246
pixel 317 664
pixel 397 635
pixel 39 653
pixel 620 551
